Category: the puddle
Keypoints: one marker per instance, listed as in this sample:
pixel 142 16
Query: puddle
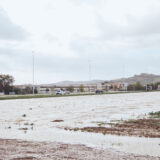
pixel 79 112
pixel 142 146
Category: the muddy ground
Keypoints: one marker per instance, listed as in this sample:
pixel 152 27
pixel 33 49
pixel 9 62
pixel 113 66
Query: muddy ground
pixel 140 127
pixel 24 150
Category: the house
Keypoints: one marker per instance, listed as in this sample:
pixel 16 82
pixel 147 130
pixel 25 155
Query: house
pixel 114 86
pixel 45 90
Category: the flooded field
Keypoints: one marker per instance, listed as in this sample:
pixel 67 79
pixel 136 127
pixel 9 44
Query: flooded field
pixel 46 119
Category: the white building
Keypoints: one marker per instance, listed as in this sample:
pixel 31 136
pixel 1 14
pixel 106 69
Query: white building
pixel 1 93
pixel 45 90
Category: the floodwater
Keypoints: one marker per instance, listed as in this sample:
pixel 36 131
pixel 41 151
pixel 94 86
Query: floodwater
pixel 31 119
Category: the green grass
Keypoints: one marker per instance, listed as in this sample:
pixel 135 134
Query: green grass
pixel 37 96
pixel 7 97
pixel 154 114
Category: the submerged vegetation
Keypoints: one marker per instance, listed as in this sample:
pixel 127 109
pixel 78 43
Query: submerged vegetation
pixel 146 127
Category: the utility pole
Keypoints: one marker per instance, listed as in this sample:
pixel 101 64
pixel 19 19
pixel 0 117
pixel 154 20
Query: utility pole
pixel 33 72
pixel 124 75
pixel 90 71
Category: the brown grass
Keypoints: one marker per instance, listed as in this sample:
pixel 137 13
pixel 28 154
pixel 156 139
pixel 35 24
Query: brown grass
pixel 139 127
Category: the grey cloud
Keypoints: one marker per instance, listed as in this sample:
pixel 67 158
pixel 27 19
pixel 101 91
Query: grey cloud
pixel 140 32
pixel 19 64
pixel 117 62
pixel 144 31
pixel 109 59
pixel 50 38
pixel 7 51
pixel 9 30
pixel 15 59
pixel 143 26
pixel 91 2
pixel 104 65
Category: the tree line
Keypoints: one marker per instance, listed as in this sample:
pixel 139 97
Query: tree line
pixel 6 86
pixel 139 87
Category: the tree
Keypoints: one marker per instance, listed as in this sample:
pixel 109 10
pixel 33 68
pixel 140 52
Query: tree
pixel 131 87
pixel 35 91
pixel 17 90
pixel 111 87
pixel 6 82
pixel 1 88
pixel 81 88
pixel 139 86
pixel 106 88
pixel 70 88
pixel 156 85
pixel 115 87
pixel 28 90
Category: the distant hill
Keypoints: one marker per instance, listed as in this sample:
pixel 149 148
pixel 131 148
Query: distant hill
pixel 143 78
pixel 74 83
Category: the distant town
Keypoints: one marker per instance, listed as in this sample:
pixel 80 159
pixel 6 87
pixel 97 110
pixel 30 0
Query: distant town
pixel 142 82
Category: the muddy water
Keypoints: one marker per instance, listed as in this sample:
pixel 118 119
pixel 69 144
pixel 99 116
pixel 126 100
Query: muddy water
pixel 32 120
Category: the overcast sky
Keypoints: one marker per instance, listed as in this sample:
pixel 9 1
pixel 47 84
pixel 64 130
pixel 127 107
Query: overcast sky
pixel 118 38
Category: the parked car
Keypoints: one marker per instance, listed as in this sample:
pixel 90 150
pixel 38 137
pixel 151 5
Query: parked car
pixel 99 91
pixel 61 92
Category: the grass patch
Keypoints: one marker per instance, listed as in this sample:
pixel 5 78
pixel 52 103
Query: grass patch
pixel 140 127
pixel 146 127
pixel 52 96
pixel 154 114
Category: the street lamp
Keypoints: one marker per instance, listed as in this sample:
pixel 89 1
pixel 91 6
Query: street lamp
pixel 33 71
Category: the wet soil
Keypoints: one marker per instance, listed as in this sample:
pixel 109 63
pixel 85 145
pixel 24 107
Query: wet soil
pixel 24 150
pixel 141 128
pixel 58 120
